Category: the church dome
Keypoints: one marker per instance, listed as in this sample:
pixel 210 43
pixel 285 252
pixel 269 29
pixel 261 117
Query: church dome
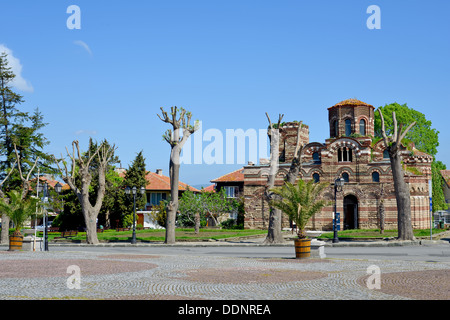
pixel 351 117
pixel 351 102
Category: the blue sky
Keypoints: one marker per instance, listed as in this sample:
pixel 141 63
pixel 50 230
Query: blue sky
pixel 228 62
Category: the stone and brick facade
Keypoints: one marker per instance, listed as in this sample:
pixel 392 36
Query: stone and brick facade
pixel 354 154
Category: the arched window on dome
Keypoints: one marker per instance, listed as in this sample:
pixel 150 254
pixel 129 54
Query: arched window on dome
pixel 385 154
pixel 335 129
pixel 348 127
pixel 362 127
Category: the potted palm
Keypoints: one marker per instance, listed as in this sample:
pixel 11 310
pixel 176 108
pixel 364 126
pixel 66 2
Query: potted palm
pixel 18 210
pixel 300 202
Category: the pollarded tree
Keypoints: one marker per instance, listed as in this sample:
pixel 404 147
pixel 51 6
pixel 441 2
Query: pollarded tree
pixel 425 138
pixel 402 195
pixel 82 168
pixel 176 137
pixel 274 229
pixel 274 233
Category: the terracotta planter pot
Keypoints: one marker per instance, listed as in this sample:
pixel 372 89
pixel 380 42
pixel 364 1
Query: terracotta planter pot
pixel 15 242
pixel 302 248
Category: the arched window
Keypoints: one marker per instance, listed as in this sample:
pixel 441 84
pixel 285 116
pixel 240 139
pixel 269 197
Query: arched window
pixel 362 127
pixel 386 154
pixel 316 157
pixel 335 128
pixel 345 176
pixel 375 176
pixel 345 154
pixel 316 177
pixel 348 127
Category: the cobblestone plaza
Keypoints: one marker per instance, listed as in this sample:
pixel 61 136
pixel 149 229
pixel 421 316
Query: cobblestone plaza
pixel 123 276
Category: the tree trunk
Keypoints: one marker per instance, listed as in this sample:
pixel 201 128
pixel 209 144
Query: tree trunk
pixel 402 195
pixel 274 234
pixel 107 219
pixel 197 223
pixel 5 229
pixel 91 228
pixel 172 208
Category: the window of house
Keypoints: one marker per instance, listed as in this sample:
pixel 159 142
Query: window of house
pixel 345 176
pixel 386 154
pixel 231 191
pixel 154 198
pixel 345 154
pixel 348 127
pixel 362 127
pixel 316 177
pixel 375 176
pixel 316 157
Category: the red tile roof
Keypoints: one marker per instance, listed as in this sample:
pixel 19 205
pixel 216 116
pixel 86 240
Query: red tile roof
pixel 235 176
pixel 446 176
pixel 351 102
pixel 211 188
pixel 52 182
pixel 161 182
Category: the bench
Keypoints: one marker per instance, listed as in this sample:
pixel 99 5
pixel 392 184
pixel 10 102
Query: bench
pixel 67 234
pixel 122 229
pixel 49 230
pixel 99 230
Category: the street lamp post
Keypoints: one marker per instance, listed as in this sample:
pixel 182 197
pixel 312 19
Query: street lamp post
pixel 338 184
pixel 134 191
pixel 44 188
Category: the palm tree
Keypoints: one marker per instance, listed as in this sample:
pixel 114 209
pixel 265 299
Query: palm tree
pixel 300 202
pixel 18 209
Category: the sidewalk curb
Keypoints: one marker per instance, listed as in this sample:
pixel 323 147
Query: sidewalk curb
pixel 343 243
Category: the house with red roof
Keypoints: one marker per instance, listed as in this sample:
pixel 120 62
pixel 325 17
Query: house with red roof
pixel 156 190
pixel 232 182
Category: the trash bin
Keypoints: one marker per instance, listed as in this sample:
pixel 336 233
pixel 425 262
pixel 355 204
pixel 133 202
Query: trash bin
pixel 441 224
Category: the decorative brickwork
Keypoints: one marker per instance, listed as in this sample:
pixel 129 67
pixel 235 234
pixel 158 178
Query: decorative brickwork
pixel 351 152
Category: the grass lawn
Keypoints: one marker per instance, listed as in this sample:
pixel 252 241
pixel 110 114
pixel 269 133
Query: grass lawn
pixel 375 233
pixel 186 234
pixel 181 234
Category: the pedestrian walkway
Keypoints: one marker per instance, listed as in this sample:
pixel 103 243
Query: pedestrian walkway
pixel 111 275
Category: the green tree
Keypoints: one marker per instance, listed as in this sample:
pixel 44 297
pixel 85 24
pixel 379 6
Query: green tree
pixel 135 177
pixel 21 129
pixel 422 134
pixel 300 202
pixel 191 209
pixel 18 210
pixel 425 139
pixel 437 186
pixel 21 142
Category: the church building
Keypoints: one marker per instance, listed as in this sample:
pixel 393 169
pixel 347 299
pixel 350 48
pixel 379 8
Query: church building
pixel 352 152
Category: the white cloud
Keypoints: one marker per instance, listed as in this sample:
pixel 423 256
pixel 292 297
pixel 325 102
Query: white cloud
pixel 83 45
pixel 19 82
pixel 87 132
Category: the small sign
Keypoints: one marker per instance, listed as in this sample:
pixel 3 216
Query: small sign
pixel 338 221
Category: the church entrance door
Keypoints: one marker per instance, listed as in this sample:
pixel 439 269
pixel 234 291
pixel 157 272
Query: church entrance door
pixel 350 212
